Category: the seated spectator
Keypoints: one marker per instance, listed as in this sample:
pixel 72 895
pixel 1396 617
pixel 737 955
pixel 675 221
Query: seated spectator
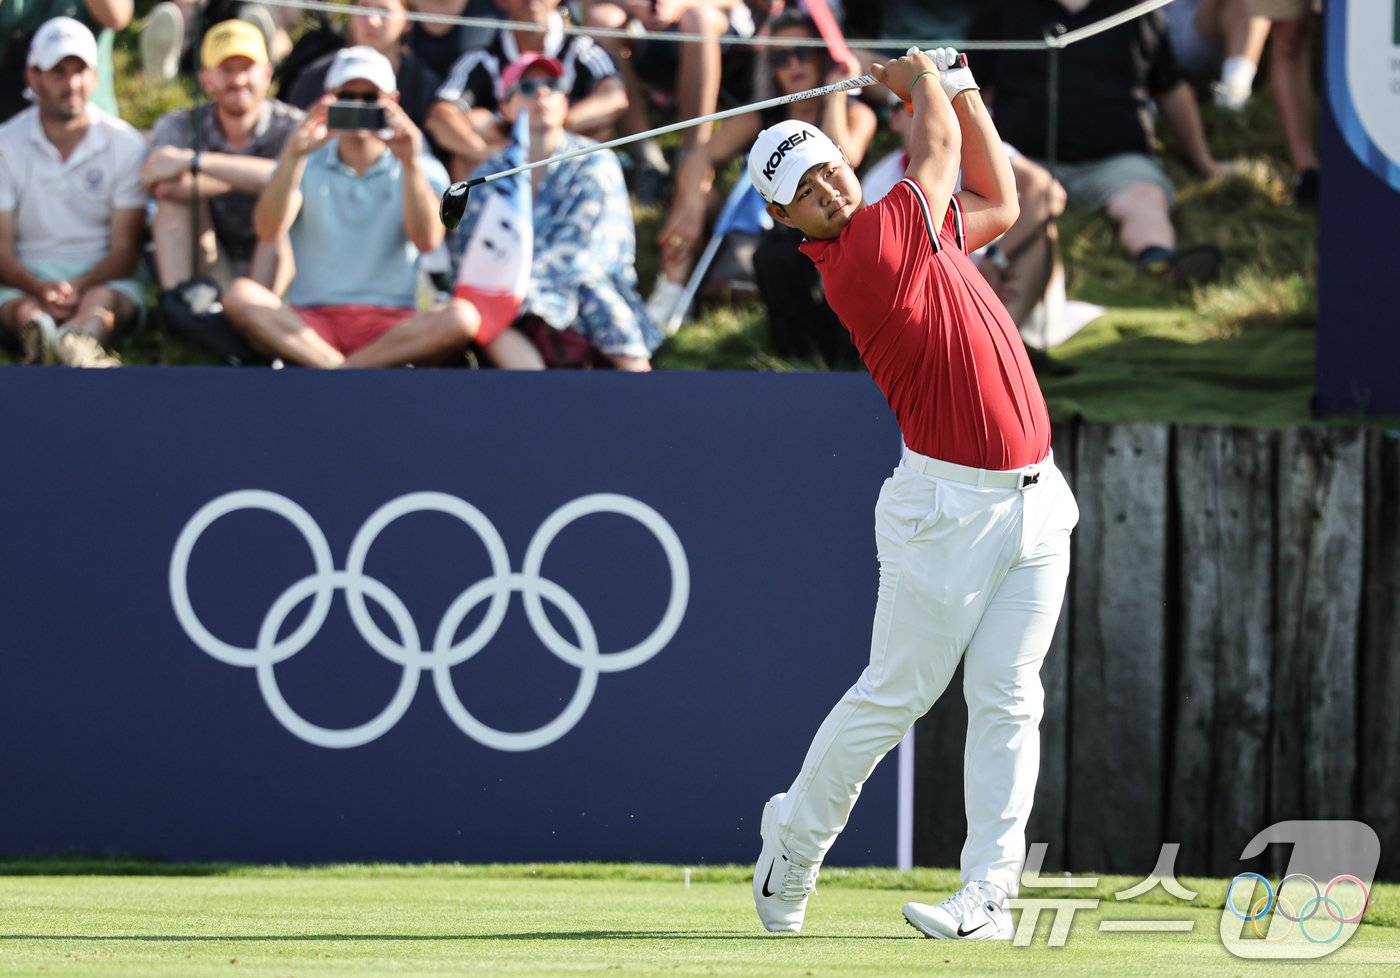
pixel 20 19
pixel 466 122
pixel 385 32
pixel 71 209
pixel 438 44
pixel 205 169
pixel 686 73
pixel 779 70
pixel 1104 140
pixel 358 211
pixel 1218 38
pixel 1291 79
pixel 1023 265
pixel 582 303
pixel 168 32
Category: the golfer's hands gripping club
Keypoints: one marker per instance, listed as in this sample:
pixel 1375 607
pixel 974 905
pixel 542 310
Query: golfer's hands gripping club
pixel 953 73
pixel 900 74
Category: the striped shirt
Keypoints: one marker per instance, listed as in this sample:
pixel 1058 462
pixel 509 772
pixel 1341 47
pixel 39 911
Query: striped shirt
pixel 476 75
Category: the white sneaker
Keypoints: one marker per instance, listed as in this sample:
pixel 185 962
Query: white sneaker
pixel 83 350
pixel 661 304
pixel 162 40
pixel 39 340
pixel 977 912
pixel 781 883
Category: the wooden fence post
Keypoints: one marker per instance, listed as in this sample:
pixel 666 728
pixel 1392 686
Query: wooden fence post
pixel 1118 668
pixel 1217 796
pixel 1314 747
pixel 1379 804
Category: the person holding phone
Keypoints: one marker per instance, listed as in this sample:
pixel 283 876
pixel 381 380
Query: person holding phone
pixel 358 198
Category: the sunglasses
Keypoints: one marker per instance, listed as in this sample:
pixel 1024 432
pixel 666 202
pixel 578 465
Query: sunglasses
pixel 531 86
pixel 357 96
pixel 780 57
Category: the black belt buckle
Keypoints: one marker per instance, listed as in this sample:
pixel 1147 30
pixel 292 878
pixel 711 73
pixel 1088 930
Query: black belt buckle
pixel 1028 479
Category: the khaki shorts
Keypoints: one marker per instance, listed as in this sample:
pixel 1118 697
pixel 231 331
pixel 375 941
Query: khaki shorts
pixel 1282 9
pixel 1092 185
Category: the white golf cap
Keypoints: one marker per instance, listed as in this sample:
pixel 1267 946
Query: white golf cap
pixel 782 153
pixel 364 63
pixel 62 37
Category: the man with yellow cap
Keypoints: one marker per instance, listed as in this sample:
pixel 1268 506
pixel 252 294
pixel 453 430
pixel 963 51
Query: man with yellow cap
pixel 220 155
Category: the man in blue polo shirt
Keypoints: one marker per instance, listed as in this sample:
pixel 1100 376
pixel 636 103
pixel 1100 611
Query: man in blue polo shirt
pixel 359 206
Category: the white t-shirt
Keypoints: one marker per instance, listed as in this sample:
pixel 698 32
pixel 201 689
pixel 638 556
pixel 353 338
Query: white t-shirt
pixel 63 208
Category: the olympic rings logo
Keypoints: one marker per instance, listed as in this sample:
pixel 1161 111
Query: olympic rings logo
pixel 1275 900
pixel 407 651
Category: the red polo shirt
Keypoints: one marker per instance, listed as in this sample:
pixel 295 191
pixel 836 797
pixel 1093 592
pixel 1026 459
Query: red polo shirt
pixel 936 339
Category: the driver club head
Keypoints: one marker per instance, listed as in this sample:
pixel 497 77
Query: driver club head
pixel 454 204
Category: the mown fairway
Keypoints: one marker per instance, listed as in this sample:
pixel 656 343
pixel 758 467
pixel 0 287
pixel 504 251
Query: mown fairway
pixel 453 920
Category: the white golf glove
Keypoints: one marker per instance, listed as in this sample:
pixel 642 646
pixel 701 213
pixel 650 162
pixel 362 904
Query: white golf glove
pixel 953 74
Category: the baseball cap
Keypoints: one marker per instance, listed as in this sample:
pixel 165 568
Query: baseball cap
pixel 364 63
pixel 516 69
pixel 232 39
pixel 782 153
pixel 60 38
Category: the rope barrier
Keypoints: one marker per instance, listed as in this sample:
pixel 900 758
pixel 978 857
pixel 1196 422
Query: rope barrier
pixel 1046 43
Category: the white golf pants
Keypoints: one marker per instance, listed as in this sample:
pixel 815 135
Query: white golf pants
pixel 969 573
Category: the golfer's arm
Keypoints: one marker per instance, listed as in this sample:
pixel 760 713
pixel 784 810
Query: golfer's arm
pixel 989 184
pixel 123 250
pixel 420 208
pixel 277 208
pixel 13 271
pixel 600 108
pixel 934 144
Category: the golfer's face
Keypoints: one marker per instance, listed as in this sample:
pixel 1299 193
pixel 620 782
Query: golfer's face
pixel 827 196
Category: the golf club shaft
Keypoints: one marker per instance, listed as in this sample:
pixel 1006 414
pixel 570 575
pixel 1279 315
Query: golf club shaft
pixel 844 86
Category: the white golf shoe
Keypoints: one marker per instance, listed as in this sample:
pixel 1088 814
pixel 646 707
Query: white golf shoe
pixel 977 912
pixel 781 883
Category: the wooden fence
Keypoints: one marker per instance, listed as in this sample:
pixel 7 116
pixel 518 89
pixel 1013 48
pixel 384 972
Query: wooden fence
pixel 1228 655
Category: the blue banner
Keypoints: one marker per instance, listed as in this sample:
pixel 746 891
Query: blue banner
pixel 1357 340
pixel 430 615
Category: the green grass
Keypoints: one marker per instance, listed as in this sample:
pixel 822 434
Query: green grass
pixel 349 921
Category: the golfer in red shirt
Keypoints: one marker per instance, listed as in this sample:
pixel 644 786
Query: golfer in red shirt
pixel 973 527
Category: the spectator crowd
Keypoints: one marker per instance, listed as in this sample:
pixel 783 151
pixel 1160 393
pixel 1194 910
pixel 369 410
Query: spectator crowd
pixel 301 227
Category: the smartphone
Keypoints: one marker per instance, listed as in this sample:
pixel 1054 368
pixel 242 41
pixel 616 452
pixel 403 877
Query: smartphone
pixel 355 115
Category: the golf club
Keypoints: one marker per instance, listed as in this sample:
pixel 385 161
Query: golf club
pixel 454 201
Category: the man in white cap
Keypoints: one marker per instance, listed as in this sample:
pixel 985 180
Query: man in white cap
pixel 360 206
pixel 71 209
pixel 972 529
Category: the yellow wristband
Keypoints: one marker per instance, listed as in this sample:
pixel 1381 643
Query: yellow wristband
pixel 916 81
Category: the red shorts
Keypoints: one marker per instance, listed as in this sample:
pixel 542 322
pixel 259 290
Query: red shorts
pixel 497 312
pixel 347 328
